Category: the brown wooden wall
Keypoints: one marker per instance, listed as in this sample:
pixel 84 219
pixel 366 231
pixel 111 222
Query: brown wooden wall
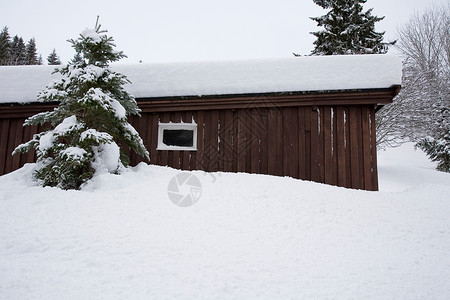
pixel 319 138
pixel 328 144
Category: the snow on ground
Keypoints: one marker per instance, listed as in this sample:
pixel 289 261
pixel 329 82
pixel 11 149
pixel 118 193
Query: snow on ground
pixel 404 167
pixel 247 237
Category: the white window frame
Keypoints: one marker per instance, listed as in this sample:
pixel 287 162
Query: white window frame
pixel 176 126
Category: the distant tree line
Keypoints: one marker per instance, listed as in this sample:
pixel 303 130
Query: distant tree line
pixel 14 51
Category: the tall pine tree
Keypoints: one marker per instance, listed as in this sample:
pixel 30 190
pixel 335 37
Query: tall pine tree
pixel 31 53
pixel 5 47
pixel 90 133
pixel 347 29
pixel 18 52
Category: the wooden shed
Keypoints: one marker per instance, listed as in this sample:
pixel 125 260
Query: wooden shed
pixel 311 118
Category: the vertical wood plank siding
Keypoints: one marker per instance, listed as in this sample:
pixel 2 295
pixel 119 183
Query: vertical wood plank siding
pixel 332 142
pixel 329 144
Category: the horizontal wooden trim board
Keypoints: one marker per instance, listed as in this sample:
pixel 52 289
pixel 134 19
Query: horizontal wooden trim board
pixel 383 96
pixel 378 96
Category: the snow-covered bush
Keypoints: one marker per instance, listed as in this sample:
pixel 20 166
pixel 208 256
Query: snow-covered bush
pixel 437 147
pixel 90 132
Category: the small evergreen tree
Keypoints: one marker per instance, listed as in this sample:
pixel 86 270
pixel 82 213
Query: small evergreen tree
pixel 347 29
pixel 5 47
pixel 31 54
pixel 53 58
pixel 18 52
pixel 90 133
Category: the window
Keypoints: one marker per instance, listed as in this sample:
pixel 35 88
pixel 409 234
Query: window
pixel 177 136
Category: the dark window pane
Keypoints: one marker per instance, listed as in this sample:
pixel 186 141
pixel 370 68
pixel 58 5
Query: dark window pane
pixel 179 137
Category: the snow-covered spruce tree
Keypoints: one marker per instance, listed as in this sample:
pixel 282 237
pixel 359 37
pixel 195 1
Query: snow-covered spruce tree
pixel 90 132
pixel 347 29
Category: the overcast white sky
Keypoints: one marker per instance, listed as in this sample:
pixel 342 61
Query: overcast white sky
pixel 180 30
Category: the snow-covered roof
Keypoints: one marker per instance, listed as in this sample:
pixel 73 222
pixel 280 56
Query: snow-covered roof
pixel 20 84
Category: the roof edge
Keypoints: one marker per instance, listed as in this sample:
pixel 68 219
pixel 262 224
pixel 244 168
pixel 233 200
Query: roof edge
pixel 394 89
pixel 370 93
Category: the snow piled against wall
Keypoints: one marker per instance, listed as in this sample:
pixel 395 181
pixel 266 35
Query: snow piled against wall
pixel 248 237
pixel 311 73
